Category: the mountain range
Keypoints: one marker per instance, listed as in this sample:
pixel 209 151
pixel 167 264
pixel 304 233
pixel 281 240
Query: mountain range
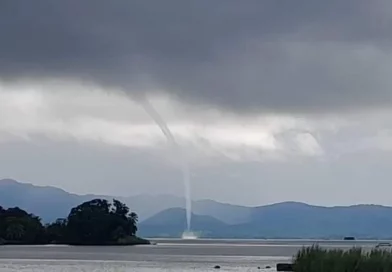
pixel 51 203
pixel 164 215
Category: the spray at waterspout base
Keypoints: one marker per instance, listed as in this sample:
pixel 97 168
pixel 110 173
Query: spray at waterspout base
pixel 189 235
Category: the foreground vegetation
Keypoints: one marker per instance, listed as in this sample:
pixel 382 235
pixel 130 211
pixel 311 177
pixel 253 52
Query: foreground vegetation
pixel 315 259
pixel 96 222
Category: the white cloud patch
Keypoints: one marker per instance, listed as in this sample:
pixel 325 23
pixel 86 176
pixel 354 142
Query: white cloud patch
pixel 89 114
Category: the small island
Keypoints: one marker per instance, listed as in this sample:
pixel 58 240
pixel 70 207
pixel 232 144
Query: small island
pixel 95 222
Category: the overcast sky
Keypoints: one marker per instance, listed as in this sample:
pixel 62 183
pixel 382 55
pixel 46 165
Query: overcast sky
pixel 268 101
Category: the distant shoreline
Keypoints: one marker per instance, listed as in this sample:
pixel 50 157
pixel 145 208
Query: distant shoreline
pixel 134 241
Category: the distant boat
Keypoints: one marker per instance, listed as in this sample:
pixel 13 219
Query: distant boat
pixel 349 238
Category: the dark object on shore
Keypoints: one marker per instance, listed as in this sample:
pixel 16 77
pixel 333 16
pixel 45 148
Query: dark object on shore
pixel 284 267
pixel 267 267
pixel 217 266
pixel 383 246
pixel 349 238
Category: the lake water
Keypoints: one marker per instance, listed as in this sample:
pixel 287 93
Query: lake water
pixel 167 255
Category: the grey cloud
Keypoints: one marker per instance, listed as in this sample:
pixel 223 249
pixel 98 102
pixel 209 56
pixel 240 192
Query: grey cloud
pixel 249 55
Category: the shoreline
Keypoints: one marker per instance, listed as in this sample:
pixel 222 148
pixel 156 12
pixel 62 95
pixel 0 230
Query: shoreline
pixel 131 241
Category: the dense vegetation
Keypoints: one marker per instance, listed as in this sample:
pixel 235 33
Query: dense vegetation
pixel 315 259
pixel 96 222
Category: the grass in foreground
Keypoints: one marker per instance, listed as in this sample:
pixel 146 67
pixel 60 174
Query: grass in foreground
pixel 316 259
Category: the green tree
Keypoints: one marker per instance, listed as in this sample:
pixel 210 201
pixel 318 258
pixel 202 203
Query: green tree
pixel 120 208
pixel 93 222
pixel 19 226
pixel 2 223
pixel 133 220
pixel 15 231
pixel 124 218
pixel 88 222
pixel 34 230
pixel 56 231
pixel 100 222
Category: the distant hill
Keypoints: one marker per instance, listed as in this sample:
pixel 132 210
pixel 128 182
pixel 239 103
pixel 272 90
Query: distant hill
pixel 283 220
pixel 51 202
pixel 164 216
pixel 291 219
pixel 227 213
pixel 149 205
pixel 47 202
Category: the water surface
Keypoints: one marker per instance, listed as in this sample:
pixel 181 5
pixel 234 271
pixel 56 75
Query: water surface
pixel 168 255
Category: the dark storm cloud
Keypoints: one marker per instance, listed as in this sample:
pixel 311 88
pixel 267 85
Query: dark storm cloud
pixel 279 55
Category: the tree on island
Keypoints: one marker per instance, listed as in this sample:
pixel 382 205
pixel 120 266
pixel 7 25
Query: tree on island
pixel 95 222
pixel 56 232
pixel 19 226
pixel 100 222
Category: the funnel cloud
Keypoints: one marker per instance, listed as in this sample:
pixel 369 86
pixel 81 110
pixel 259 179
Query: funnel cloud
pixel 178 152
